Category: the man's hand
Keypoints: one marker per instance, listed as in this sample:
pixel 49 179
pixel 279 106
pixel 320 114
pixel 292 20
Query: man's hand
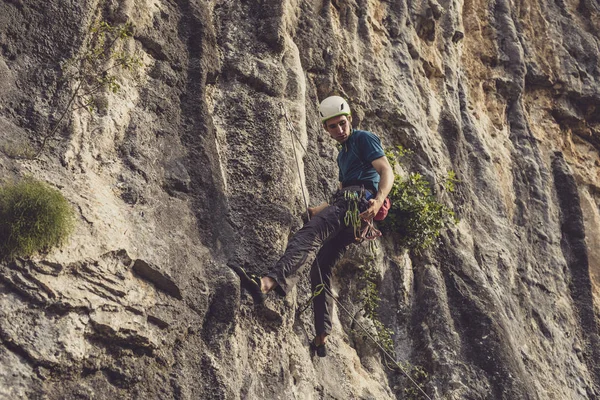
pixel 370 213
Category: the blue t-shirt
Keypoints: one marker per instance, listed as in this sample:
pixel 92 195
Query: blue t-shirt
pixel 355 157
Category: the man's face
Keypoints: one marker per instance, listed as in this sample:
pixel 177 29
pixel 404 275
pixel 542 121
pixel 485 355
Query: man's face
pixel 339 127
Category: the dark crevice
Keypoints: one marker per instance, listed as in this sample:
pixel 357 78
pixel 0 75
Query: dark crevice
pixel 159 279
pixel 486 342
pixel 117 378
pixel 60 309
pixel 575 251
pixel 158 322
pixel 117 346
pixel 54 368
pixel 580 115
pixel 16 285
pixel 541 324
pixel 10 345
pixel 198 133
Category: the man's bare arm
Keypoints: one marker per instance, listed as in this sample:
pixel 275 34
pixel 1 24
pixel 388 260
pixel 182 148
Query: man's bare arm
pixel 384 169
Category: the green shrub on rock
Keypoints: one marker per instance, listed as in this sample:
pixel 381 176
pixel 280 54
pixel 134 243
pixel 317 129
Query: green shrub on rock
pixel 33 217
pixel 416 215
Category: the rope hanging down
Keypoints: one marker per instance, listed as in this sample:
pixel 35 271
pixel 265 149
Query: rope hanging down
pixel 322 286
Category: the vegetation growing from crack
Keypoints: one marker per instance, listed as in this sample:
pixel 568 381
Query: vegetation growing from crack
pixel 418 218
pixel 416 214
pixel 86 76
pixel 419 376
pixel 370 298
pixel 33 217
pixel 369 295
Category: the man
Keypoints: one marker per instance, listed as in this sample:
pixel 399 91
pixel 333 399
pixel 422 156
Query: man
pixel 364 171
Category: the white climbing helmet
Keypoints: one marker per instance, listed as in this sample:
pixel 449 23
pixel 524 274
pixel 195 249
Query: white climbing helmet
pixel 332 107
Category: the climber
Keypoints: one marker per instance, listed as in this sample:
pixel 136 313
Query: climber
pixel 365 173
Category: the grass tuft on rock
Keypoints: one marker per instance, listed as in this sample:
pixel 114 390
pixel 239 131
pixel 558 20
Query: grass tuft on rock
pixel 33 218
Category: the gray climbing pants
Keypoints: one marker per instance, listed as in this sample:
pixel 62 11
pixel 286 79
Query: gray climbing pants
pixel 321 242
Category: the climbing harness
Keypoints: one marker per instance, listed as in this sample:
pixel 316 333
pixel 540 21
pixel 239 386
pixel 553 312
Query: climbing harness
pixel 322 287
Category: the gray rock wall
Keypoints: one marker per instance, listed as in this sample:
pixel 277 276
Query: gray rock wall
pixel 191 166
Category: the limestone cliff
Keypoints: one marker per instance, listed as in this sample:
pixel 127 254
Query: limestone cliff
pixel 190 166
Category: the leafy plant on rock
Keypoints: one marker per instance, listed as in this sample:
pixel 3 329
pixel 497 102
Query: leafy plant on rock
pixel 419 376
pixel 416 215
pixel 33 217
pixel 369 295
pixel 418 218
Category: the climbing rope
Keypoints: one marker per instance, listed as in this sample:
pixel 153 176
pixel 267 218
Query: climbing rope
pixel 290 128
pixel 317 168
pixel 318 290
pixel 322 287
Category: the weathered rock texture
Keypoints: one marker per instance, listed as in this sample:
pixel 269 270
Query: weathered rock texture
pixel 191 167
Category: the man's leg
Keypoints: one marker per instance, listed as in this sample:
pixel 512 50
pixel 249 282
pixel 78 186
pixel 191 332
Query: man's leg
pixel 303 247
pixel 320 273
pixel 301 250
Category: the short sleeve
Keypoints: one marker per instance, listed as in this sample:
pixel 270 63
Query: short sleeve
pixel 370 147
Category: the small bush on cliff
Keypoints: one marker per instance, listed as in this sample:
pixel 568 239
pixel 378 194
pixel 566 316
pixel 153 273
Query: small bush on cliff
pixel 416 214
pixel 33 217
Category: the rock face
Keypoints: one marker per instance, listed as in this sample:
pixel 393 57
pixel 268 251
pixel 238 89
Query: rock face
pixel 190 165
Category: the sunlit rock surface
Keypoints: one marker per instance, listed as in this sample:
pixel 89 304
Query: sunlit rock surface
pixel 191 166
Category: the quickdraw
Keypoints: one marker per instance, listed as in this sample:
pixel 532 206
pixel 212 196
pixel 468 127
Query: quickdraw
pixel 352 216
pixel 363 230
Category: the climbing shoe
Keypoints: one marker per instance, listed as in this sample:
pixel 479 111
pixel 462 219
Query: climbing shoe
pixel 251 283
pixel 319 350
